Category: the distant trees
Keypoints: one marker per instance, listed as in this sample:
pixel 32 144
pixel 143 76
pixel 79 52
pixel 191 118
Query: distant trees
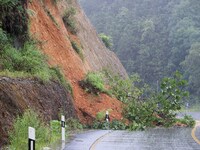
pixel 152 38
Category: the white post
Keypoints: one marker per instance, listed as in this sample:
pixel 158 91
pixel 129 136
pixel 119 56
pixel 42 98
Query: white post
pixel 31 138
pixel 107 119
pixel 107 116
pixel 63 127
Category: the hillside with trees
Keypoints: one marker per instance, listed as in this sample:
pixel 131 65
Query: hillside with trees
pixel 152 38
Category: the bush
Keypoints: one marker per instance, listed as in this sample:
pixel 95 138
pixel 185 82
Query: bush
pixel 69 20
pixel 93 83
pixel 27 61
pixel 8 3
pixel 18 136
pixel 104 125
pixel 159 108
pixel 124 89
pixel 3 38
pixel 136 126
pixel 140 113
pixel 117 125
pixel 107 40
pixel 100 116
pixel 78 49
pixel 55 127
pixel 170 98
pixel 73 124
pixel 187 120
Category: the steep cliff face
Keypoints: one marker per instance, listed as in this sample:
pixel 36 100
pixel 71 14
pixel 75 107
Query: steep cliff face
pixel 16 95
pixel 58 47
pixel 96 54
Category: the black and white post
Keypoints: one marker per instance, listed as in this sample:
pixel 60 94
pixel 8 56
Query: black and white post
pixel 31 138
pixel 63 127
pixel 107 118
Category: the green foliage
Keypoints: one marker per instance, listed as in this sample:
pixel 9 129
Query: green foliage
pixel 104 125
pixel 69 20
pixel 78 49
pixel 160 108
pixel 58 75
pixel 107 40
pixel 117 125
pixel 28 59
pixel 136 126
pixel 100 116
pixel 96 80
pixel 171 96
pixel 55 127
pixel 3 38
pixel 141 114
pixel 15 74
pixel 124 89
pixel 153 39
pixel 73 124
pixel 187 120
pixel 8 3
pixel 100 125
pixel 18 137
pixel 93 83
pixel 191 66
pixel 14 19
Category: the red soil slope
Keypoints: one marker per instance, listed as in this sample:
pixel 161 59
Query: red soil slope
pixel 56 45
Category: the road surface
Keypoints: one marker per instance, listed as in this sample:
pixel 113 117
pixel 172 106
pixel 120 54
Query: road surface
pixel 175 138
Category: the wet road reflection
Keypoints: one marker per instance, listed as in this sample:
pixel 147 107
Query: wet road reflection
pixel 152 139
pixel 175 138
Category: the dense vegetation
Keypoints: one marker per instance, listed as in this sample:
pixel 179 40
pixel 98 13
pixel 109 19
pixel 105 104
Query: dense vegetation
pixel 93 83
pixel 19 54
pixel 143 106
pixel 152 38
pixel 46 134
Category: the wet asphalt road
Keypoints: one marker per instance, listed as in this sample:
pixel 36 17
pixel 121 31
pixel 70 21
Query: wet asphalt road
pixel 152 139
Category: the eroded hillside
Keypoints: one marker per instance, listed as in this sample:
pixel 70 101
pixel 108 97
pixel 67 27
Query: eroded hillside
pixel 17 95
pixel 58 47
pixel 56 40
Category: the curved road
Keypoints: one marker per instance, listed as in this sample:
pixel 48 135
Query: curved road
pixel 152 139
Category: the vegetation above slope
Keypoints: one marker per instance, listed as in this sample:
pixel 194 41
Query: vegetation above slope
pixel 152 38
pixel 19 55
pixel 27 61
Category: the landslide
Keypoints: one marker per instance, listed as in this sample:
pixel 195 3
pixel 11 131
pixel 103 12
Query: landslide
pixel 17 95
pixel 47 26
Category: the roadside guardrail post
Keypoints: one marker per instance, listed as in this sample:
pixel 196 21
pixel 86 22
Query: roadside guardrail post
pixel 63 127
pixel 107 119
pixel 31 138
